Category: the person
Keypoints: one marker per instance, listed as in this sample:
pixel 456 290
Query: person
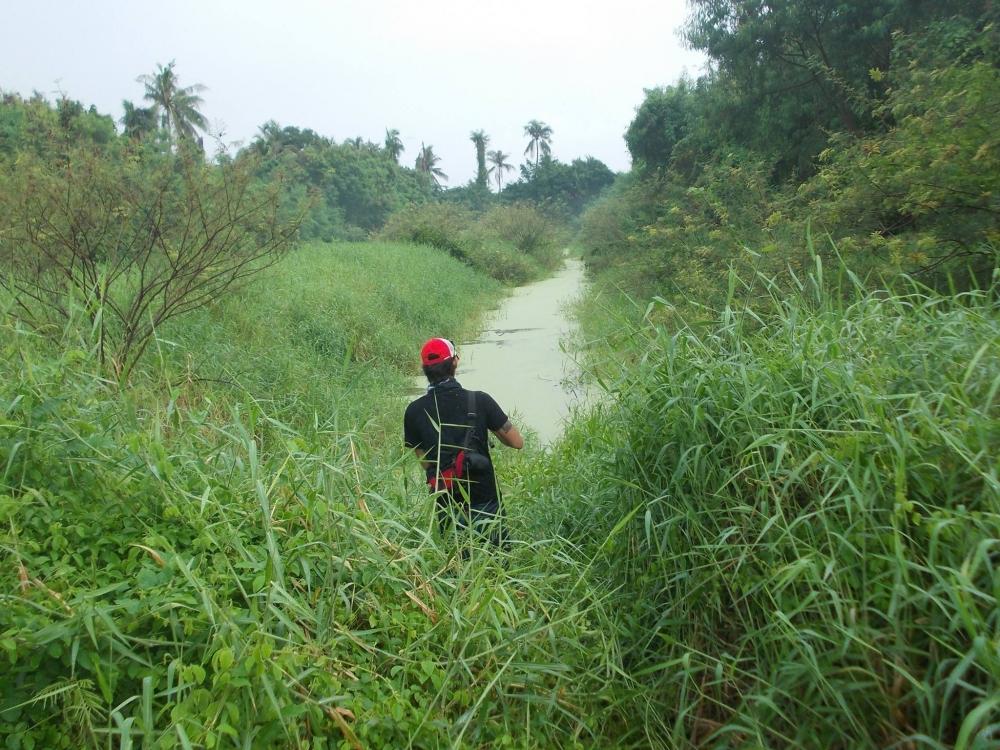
pixel 437 427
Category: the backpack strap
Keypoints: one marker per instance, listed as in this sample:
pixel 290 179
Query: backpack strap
pixel 446 478
pixel 470 422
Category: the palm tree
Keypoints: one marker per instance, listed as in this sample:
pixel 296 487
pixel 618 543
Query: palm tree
pixel 540 142
pixel 481 140
pixel 176 105
pixel 427 162
pixel 393 143
pixel 500 165
pixel 138 122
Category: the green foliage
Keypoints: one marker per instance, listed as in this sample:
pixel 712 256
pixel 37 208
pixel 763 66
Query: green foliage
pixel 924 195
pixel 539 140
pixel 561 191
pixel 500 165
pixel 326 321
pixel 510 243
pixel 192 562
pixel 437 225
pixel 480 140
pixel 527 230
pixel 798 511
pixel 177 106
pixel 660 122
pixel 916 193
pixel 791 72
pixel 354 187
pixel 35 126
pixel 426 165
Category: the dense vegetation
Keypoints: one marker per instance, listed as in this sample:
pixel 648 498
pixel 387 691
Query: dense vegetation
pixel 511 243
pixel 870 123
pixel 797 513
pixel 778 528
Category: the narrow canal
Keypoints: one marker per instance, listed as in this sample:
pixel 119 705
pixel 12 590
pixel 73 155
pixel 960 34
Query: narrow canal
pixel 518 358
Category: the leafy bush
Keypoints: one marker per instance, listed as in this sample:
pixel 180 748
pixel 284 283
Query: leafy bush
pixel 510 243
pixel 502 261
pixel 527 230
pixel 925 195
pixel 439 225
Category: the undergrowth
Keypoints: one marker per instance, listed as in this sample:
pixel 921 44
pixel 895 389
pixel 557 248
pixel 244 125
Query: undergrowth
pixel 777 531
pixel 798 510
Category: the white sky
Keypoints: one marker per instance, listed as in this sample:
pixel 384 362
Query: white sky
pixel 433 69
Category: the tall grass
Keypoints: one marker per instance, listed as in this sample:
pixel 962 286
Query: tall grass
pixel 798 512
pixel 234 552
pixel 329 335
pixel 776 532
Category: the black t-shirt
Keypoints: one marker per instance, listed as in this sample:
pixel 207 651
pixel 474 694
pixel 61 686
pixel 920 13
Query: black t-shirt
pixel 437 422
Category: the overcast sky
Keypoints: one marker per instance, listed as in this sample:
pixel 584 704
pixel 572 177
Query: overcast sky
pixel 433 69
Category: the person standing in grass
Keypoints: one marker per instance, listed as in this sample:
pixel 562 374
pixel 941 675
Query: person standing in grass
pixel 448 428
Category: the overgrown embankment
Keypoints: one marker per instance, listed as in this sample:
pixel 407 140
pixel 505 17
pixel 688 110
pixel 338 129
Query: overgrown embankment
pixel 795 514
pixel 232 551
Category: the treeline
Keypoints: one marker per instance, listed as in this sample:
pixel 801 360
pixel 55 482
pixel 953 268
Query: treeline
pixel 868 126
pixel 343 190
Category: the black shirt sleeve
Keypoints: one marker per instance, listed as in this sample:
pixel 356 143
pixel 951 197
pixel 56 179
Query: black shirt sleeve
pixel 411 435
pixel 495 417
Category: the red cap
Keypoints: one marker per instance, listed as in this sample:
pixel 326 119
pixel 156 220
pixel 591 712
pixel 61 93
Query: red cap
pixel 437 350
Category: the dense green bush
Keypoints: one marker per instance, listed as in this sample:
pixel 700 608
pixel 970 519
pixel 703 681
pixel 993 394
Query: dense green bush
pixel 799 511
pixel 910 188
pixel 512 244
pixel 439 225
pixel 527 230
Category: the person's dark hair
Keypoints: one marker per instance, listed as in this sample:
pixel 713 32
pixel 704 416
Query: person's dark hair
pixel 440 370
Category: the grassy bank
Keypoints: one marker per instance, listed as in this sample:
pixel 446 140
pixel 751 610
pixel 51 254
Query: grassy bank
pixel 777 531
pixel 796 510
pixel 235 550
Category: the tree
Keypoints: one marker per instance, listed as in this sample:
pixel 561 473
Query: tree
pixel 481 140
pixel 660 122
pixel 540 140
pixel 792 72
pixel 131 243
pixel 176 105
pixel 138 122
pixel 393 144
pixel 427 163
pixel 558 189
pixel 500 165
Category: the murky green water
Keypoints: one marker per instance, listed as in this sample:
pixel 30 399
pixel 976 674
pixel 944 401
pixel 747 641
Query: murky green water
pixel 518 359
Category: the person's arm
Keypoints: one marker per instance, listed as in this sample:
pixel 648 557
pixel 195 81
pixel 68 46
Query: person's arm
pixel 509 435
pixel 411 436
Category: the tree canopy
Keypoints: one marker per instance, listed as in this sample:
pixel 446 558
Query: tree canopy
pixel 176 105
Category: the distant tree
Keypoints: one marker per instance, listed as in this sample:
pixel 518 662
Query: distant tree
pixel 560 190
pixel 540 140
pixel 272 139
pixel 661 121
pixel 393 144
pixel 176 105
pixel 481 140
pixel 500 165
pixel 138 122
pixel 427 163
